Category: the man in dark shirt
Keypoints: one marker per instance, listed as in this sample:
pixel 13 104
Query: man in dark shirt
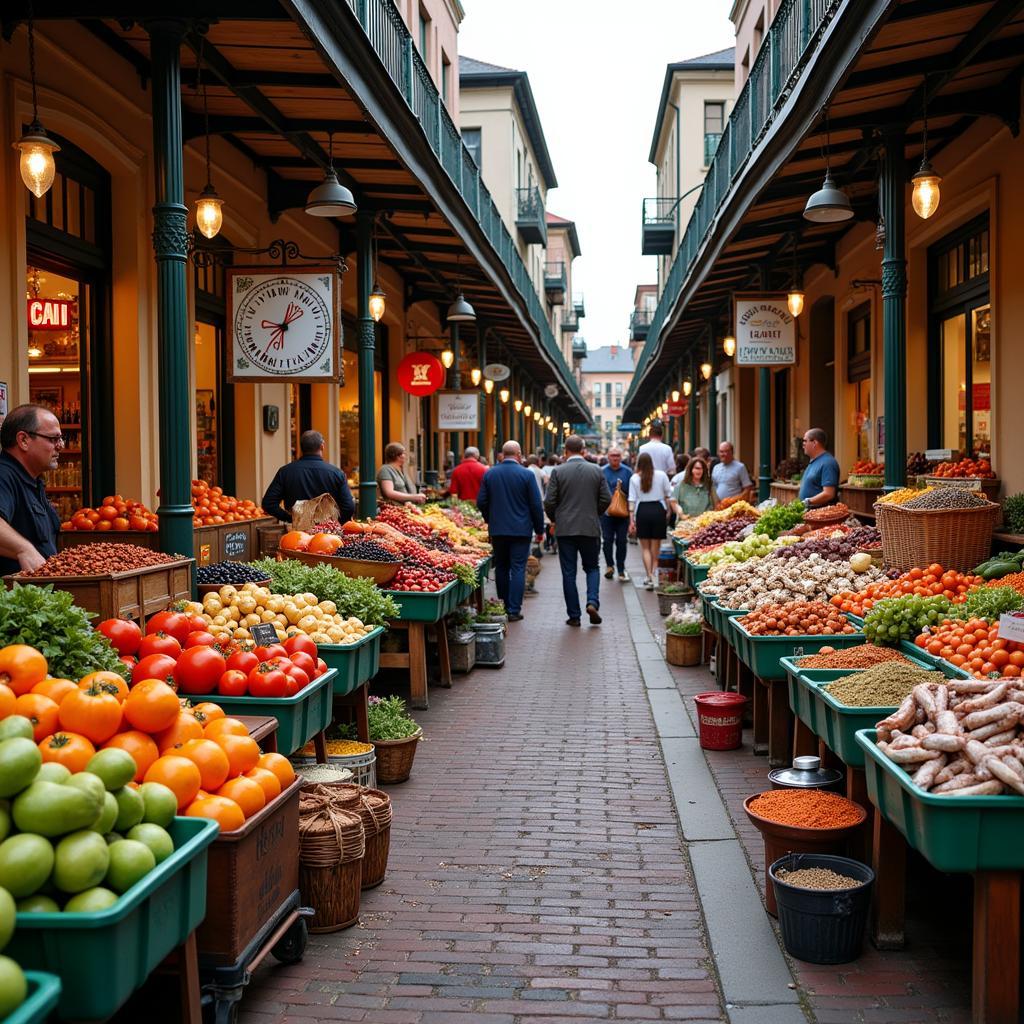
pixel 308 477
pixel 31 440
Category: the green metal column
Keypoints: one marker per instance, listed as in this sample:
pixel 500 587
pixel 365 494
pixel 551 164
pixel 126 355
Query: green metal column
pixel 892 189
pixel 693 403
pixel 455 384
pixel 764 396
pixel 170 246
pixel 367 335
pixel 499 416
pixel 712 400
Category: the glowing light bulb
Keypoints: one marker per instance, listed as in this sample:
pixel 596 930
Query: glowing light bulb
pixel 687 388
pixel 36 163
pixel 209 215
pixel 488 386
pixel 795 301
pixel 925 197
pixel 729 345
pixel 377 303
pixel 705 370
pixel 447 358
pixel 503 394
pixel 474 376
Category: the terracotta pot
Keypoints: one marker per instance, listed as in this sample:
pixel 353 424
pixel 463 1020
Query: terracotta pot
pixel 682 650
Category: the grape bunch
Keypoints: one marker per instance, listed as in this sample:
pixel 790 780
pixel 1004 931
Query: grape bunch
pixel 902 618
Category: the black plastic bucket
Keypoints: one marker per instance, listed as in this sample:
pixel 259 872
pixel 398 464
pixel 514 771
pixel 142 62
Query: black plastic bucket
pixel 823 926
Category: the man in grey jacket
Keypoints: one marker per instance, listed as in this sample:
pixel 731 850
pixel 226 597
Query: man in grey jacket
pixel 576 497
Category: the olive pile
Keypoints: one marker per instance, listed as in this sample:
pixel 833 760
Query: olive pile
pixel 234 573
pixel 366 551
pixel 831 550
pixel 720 533
pixel 947 498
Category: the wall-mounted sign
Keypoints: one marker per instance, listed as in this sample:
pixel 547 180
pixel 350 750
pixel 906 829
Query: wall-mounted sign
pixel 458 410
pixel 765 331
pixel 497 371
pixel 420 373
pixel 551 391
pixel 285 324
pixel 677 408
pixel 50 314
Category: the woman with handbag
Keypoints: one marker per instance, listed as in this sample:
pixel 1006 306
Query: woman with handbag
pixel 615 521
pixel 650 496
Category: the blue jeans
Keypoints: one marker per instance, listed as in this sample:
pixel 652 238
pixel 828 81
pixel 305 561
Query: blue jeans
pixel 510 555
pixel 614 530
pixel 588 549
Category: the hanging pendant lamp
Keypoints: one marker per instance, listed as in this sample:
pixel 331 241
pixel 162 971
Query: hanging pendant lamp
pixel 36 147
pixel 830 204
pixel 209 212
pixel 330 198
pixel 460 311
pixel 925 197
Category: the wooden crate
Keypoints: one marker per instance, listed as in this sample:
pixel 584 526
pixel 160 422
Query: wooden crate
pixel 233 542
pixel 860 500
pixel 784 493
pixel 133 594
pixel 268 538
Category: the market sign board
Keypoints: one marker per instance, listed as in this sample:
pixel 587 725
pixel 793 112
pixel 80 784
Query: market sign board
pixel 497 371
pixel 677 408
pixel 285 324
pixel 458 410
pixel 765 331
pixel 420 374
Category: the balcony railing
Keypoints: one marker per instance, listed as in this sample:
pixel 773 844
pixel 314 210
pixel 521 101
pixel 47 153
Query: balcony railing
pixel 659 230
pixel 392 42
pixel 781 61
pixel 531 220
pixel 579 305
pixel 554 281
pixel 570 322
pixel 639 322
pixel 579 349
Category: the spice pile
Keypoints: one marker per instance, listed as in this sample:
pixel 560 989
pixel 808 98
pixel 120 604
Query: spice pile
pixel 864 656
pixel 796 618
pixel 816 878
pixel 100 560
pixel 947 498
pixel 903 495
pixel 806 808
pixel 827 513
pixel 882 686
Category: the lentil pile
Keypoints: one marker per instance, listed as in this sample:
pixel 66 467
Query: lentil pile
pixel 816 878
pixel 100 560
pixel 806 808
pixel 827 514
pixel 864 656
pixel 883 686
pixel 947 498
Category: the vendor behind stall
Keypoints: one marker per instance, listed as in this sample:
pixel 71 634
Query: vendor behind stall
pixel 308 477
pixel 820 482
pixel 392 479
pixel 31 440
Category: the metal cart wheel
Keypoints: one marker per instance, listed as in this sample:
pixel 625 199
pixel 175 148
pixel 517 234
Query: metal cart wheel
pixel 292 945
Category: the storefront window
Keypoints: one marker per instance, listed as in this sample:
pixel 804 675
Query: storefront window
pixel 348 417
pixel 205 340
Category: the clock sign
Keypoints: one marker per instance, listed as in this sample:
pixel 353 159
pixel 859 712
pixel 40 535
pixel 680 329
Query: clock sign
pixel 285 323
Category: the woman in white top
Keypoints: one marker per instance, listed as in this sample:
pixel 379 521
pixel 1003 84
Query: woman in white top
pixel 650 496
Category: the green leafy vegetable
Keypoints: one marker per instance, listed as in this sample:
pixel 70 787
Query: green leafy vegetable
pixel 1013 512
pixel 779 519
pixel 991 602
pixel 49 620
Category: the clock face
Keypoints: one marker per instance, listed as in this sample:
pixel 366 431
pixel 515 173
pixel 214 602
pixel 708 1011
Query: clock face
pixel 283 325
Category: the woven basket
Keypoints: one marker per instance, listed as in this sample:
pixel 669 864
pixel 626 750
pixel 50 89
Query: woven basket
pixel 954 538
pixel 374 808
pixel 395 757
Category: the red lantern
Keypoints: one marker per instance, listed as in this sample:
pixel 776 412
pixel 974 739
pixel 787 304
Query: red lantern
pixel 420 373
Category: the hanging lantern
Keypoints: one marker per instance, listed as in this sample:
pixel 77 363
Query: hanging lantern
pixel 795 301
pixel 705 370
pixel 528 409
pixel 209 215
pixel 687 388
pixel 474 376
pixel 488 385
pixel 729 345
pixel 36 147
pixel 447 358
pixel 376 303
pixel 675 396
pixel 503 394
pixel 925 197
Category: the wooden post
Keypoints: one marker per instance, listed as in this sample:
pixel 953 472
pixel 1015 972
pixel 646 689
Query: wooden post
pixel 995 997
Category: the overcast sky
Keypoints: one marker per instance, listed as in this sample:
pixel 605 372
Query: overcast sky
pixel 597 81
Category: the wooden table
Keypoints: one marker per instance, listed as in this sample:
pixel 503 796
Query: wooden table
pixel 415 658
pixel 263 729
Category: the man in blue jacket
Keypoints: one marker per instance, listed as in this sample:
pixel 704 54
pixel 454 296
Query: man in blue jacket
pixel 614 529
pixel 509 501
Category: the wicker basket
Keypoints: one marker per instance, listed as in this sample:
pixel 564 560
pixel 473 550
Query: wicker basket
pixel 395 757
pixel 374 808
pixel 954 538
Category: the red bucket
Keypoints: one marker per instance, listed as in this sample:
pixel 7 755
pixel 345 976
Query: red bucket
pixel 720 719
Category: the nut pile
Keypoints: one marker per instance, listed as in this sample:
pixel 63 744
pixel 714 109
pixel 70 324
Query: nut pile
pixel 100 560
pixel 862 656
pixel 947 498
pixel 882 686
pixel 816 878
pixel 797 618
pixel 827 513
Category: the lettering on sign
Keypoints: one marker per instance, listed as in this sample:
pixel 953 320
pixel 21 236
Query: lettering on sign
pixel 264 634
pixel 765 331
pixel 972 483
pixel 458 410
pixel 236 544
pixel 50 314
pixel 938 454
pixel 1011 627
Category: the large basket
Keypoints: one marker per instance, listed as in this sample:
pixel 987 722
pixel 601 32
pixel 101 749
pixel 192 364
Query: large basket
pixel 954 538
pixel 374 808
pixel 395 757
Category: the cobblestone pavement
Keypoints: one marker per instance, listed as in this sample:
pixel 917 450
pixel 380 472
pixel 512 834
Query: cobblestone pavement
pixel 537 871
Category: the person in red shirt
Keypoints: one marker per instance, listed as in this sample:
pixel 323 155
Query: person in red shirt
pixel 464 482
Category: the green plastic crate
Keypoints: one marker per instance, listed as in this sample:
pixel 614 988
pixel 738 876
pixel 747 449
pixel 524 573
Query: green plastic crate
pixel 417 606
pixel 762 654
pixel 355 663
pixel 680 546
pixel 41 1001
pixel 299 718
pixel 483 570
pixel 695 572
pixel 720 617
pixel 103 957
pixel 954 834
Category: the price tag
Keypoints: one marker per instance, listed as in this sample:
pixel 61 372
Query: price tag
pixel 264 634
pixel 236 544
pixel 1011 627
pixel 963 483
pixel 939 454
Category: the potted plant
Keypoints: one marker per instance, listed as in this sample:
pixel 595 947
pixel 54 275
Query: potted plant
pixel 494 611
pixel 682 635
pixel 669 594
pixel 394 736
pixel 462 639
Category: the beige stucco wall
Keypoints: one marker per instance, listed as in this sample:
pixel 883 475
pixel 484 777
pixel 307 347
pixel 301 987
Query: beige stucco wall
pixel 747 16
pixel 444 16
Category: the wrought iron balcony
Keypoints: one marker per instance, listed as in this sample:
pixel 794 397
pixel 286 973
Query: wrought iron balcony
pixel 554 282
pixel 570 322
pixel 531 220
pixel 579 349
pixel 579 306
pixel 659 231
pixel 639 322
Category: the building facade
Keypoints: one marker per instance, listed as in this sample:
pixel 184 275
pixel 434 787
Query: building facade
pixel 606 375
pixel 566 305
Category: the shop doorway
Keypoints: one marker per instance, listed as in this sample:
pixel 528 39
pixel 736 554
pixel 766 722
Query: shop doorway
pixel 823 367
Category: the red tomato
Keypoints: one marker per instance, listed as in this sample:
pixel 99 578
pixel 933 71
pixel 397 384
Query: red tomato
pixel 199 638
pixel 199 670
pixel 130 660
pixel 273 651
pixel 123 635
pixel 267 680
pixel 156 666
pixel 233 684
pixel 196 622
pixel 321 667
pixel 302 660
pixel 300 642
pixel 175 623
pixel 298 675
pixel 159 643
pixel 243 661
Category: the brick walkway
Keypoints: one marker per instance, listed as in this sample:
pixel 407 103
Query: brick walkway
pixel 537 871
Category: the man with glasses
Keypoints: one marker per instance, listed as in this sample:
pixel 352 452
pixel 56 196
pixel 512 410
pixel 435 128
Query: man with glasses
pixel 30 440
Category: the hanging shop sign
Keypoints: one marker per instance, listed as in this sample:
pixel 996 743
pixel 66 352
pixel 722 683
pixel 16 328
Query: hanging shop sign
pixel 765 331
pixel 497 371
pixel 676 408
pixel 285 324
pixel 420 374
pixel 50 314
pixel 458 410
pixel 551 391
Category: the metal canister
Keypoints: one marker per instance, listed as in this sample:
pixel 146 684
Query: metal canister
pixel 807 773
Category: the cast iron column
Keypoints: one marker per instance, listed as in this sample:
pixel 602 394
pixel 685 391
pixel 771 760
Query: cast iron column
pixel 892 188
pixel 367 335
pixel 712 400
pixel 764 388
pixel 170 246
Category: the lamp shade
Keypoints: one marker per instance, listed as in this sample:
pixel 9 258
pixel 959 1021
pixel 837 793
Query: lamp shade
pixel 36 162
pixel 460 311
pixel 209 215
pixel 795 301
pixel 330 198
pixel 729 345
pixel 376 302
pixel 925 197
pixel 829 205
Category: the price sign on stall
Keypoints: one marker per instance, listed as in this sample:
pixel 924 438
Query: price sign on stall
pixel 264 634
pixel 1011 627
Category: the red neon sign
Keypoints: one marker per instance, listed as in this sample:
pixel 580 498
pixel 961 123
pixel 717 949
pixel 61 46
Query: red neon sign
pixel 50 314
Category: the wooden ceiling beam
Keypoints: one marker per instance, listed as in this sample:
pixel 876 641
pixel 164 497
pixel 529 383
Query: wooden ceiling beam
pixel 222 124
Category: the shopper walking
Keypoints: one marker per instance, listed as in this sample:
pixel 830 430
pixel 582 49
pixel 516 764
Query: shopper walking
pixel 615 529
pixel 466 477
pixel 730 476
pixel 509 501
pixel 661 454
pixel 820 483
pixel 649 497
pixel 533 465
pixel 308 477
pixel 695 494
pixel 577 496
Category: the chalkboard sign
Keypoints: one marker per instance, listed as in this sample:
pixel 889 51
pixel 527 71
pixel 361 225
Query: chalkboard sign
pixel 236 544
pixel 264 634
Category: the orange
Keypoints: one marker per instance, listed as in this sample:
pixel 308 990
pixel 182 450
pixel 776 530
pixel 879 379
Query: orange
pixel 185 728
pixel 7 699
pixel 243 752
pixel 246 793
pixel 208 712
pixel 42 712
pixel 295 540
pixel 282 767
pixel 151 706
pixel 210 759
pixel 69 749
pixel 221 809
pixel 110 681
pixel 267 780
pixel 324 544
pixel 225 727
pixel 140 745
pixel 55 689
pixel 178 774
